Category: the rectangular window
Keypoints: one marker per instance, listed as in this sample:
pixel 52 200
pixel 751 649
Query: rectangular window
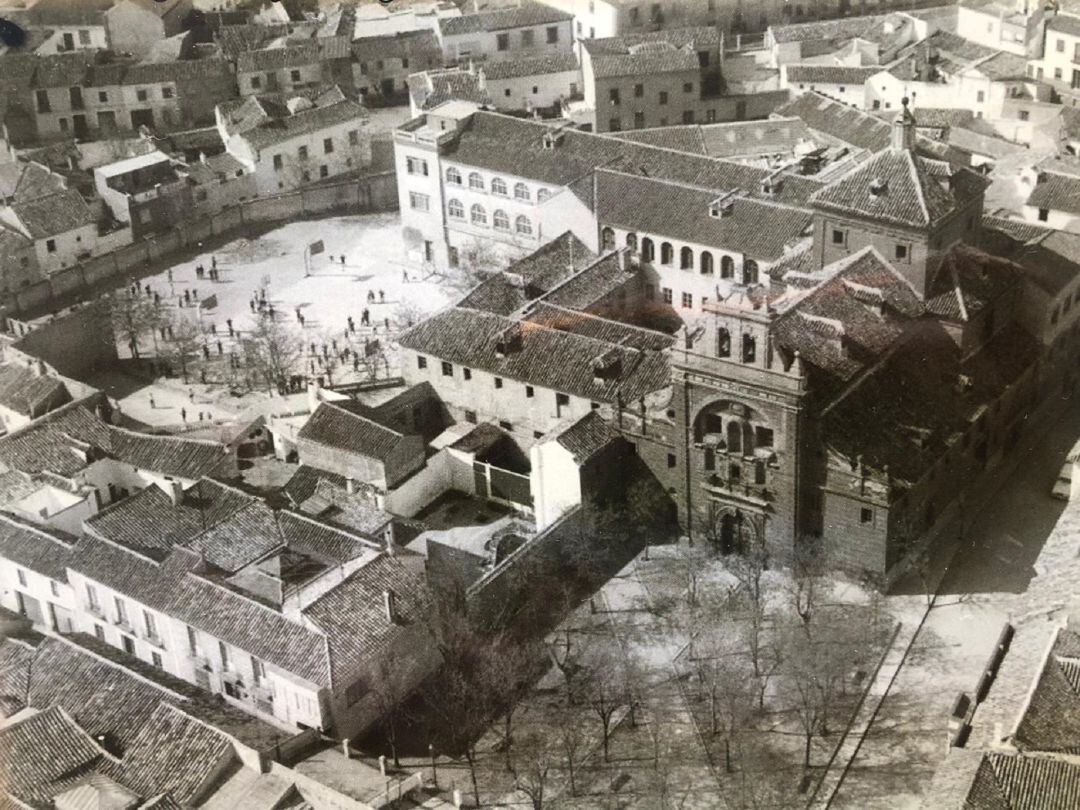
pixel 155 659
pixel 666 291
pixel 256 82
pixel 295 75
pixel 302 153
pixel 735 473
pixel 419 202
pixel 421 362
pixel 258 669
pixel 128 643
pixel 529 391
pixel 102 96
pixel 22 576
pixel 901 251
pixel 562 400
pixel 866 515
pixel 416 166
pixel 43 104
pixel 324 171
pixel 447 369
pixel 614 125
pixel 354 137
pixel 192 640
pixel 279 163
pixel 470 417
pixel 54 587
pixel 92 597
pixel 613 95
pixel 50 245
pixel 84 37
pixel 1044 214
pixel 688 116
pixel 506 425
pixel 466 373
pixel 688 87
pixel 663 97
pixel 142 94
pixel 763 437
pixel 1060 46
pixel 99 632
pixel 121 610
pixel 980 97
pixel 328 146
pixel 498 382
pixel 687 300
pixel 639 120
pixel 502 42
pixel 167 92
pixel 839 237
pixel 671 461
pixel 639 90
pixel 527 38
pixel 223 651
pixel 552 34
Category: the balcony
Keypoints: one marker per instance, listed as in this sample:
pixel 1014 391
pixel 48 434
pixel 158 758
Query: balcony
pixel 94 610
pixel 200 661
pixel 124 624
pixel 755 494
pixel 153 638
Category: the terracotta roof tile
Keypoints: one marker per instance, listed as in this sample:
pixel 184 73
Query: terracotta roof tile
pixel 502 19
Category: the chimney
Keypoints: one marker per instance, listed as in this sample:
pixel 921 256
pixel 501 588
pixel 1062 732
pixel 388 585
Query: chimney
pixel 175 492
pixel 350 485
pixel 345 748
pixel 40 369
pixel 390 603
pixel 903 131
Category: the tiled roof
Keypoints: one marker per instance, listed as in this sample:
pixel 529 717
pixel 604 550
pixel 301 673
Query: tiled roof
pixel 760 230
pixel 497 294
pixel 502 19
pixel 967 281
pixel 44 551
pixel 553 263
pixel 1016 229
pixel 435 87
pixel 273 130
pixel 411 45
pixel 1051 722
pixel 646 60
pixel 55 214
pixel 174 588
pixel 1064 23
pixel 353 615
pixel 695 36
pixel 582 323
pixel 839 121
pixel 334 426
pixel 55 442
pixel 529 66
pixel 148 522
pixel 515 147
pixel 28 393
pixel 294 55
pixel 174 753
pixel 28 181
pixel 244 537
pixel 236 39
pixel 829 74
pixel 305 481
pixel 1003 782
pixel 846 28
pixel 1002 66
pixel 62 13
pixel 168 455
pixel 159 8
pixel 329 543
pixel 215 169
pixel 910 191
pixel 593 284
pixel 44 754
pixel 1057 192
pixel 545 357
pixel 586 437
pixel 680 138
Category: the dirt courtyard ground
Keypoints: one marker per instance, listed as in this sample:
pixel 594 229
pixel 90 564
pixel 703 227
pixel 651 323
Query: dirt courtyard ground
pixel 363 256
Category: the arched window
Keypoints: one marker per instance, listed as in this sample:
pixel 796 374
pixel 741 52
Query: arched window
pixel 607 239
pixel 453 176
pixel 543 195
pixel 455 209
pixel 723 343
pixel 498 186
pixel 521 192
pixel 476 181
pixel 706 263
pixel 749 272
pixel 648 250
pixel 734 436
pixel 501 221
pixel 686 259
pixel 667 253
pixel 631 241
pixel 749 349
pixel 727 267
pixel 478 215
pixel 523 225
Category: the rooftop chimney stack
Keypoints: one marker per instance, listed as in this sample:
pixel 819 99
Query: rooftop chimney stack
pixel 176 492
pixel 903 131
pixel 390 603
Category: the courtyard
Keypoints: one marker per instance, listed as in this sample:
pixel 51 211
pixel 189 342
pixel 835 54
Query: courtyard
pixel 343 303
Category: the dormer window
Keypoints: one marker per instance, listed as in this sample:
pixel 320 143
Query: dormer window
pixel 878 187
pixel 839 236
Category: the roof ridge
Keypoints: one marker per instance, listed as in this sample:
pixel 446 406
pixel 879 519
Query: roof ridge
pixel 360 416
pixel 580 313
pixel 332 527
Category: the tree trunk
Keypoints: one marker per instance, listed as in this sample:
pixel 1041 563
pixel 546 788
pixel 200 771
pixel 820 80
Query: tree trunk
pixel 470 757
pixel 727 754
pixel 806 751
pixel 606 735
pixel 508 740
pixel 570 773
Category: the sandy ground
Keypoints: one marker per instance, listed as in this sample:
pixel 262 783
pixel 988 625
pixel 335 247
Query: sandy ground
pixel 333 292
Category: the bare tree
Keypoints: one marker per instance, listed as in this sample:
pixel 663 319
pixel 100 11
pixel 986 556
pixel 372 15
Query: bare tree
pixel 272 350
pixel 602 689
pixel 508 670
pixel 807 579
pixel 478 260
pixel 572 740
pixel 183 342
pixel 726 682
pixel 749 570
pixel 132 316
pixel 389 690
pixel 407 314
pixel 531 767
